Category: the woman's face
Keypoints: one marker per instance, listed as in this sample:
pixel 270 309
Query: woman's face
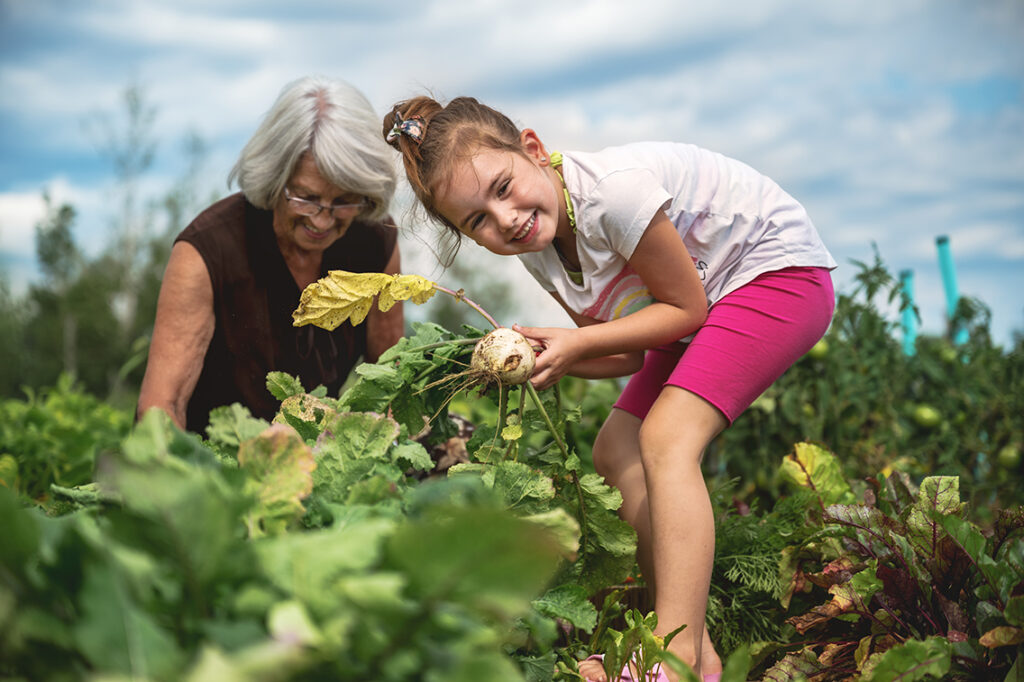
pixel 305 192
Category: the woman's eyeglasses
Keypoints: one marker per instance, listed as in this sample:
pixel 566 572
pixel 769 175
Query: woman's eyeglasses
pixel 305 207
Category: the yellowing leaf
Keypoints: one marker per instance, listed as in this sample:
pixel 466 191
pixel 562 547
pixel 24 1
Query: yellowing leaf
pixel 512 432
pixel 811 466
pixel 405 287
pixel 8 471
pixel 1002 635
pixel 279 468
pixel 343 295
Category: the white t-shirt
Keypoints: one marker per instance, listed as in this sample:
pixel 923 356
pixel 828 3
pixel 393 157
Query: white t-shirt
pixel 735 223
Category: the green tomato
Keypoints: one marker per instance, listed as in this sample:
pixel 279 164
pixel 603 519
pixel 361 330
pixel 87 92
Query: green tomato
pixel 927 416
pixel 764 403
pixel 1009 457
pixel 819 350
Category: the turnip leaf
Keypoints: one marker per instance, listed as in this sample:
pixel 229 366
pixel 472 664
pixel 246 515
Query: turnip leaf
pixel 279 467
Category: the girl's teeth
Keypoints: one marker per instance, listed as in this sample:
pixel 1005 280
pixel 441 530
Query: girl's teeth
pixel 526 228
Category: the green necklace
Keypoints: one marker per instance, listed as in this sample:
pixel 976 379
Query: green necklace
pixel 556 162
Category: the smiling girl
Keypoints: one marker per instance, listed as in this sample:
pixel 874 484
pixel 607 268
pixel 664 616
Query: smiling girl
pixel 688 270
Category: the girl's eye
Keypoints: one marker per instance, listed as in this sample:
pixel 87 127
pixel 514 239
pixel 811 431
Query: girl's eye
pixel 476 222
pixel 504 188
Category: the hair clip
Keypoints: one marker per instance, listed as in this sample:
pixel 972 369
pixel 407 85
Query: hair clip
pixel 411 127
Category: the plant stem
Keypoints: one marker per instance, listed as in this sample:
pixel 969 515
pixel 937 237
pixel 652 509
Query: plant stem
pixel 522 409
pixel 565 454
pixel 460 296
pixel 441 344
pixel 502 413
pixel 547 419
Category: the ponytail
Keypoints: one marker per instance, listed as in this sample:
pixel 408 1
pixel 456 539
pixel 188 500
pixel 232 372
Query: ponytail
pixel 431 138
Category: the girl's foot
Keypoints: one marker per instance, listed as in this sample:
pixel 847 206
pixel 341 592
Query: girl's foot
pixel 592 669
pixel 710 663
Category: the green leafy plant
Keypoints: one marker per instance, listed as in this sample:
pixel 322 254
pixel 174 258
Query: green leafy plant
pixel 162 581
pixel 332 543
pixel 915 590
pixel 861 396
pixel 53 437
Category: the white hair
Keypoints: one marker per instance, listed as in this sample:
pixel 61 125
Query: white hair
pixel 332 121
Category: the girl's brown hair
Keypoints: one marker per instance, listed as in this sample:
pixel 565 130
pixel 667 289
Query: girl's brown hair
pixel 450 133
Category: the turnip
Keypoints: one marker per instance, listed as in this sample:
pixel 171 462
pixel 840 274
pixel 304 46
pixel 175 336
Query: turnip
pixel 503 356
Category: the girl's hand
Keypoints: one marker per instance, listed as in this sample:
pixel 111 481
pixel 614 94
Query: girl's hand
pixel 558 352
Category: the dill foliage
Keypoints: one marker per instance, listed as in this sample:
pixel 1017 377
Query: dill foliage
pixel 744 604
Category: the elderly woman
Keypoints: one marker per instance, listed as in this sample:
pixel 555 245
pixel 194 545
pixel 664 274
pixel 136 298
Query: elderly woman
pixel 315 180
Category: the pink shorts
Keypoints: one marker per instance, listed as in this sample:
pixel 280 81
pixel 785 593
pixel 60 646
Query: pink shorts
pixel 750 338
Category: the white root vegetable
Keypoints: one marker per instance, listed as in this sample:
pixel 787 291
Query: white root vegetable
pixel 505 356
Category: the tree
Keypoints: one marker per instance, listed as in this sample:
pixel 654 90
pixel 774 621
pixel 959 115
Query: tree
pixel 60 260
pixel 12 345
pixel 91 317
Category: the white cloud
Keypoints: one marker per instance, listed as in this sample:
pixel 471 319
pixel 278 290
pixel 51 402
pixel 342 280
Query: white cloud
pixel 19 213
pixel 859 113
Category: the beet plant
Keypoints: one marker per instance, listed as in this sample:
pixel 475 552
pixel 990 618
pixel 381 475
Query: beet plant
pixel 896 582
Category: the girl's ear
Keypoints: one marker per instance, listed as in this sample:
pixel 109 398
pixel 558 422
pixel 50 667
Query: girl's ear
pixel 533 147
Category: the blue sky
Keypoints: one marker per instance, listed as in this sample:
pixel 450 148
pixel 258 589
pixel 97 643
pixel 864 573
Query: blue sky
pixel 893 122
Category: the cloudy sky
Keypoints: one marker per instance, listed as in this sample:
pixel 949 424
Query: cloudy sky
pixel 893 121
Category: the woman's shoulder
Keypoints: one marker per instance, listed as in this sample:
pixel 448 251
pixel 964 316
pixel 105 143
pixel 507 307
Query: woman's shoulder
pixel 227 213
pixel 229 234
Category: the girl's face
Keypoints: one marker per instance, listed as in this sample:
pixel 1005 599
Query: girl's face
pixel 506 202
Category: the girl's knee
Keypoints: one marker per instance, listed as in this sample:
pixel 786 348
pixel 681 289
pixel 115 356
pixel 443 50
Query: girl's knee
pixel 678 428
pixel 673 445
pixel 659 450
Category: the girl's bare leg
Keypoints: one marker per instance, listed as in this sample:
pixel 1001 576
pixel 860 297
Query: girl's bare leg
pixel 617 458
pixel 672 441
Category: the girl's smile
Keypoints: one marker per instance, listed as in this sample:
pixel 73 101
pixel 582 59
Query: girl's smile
pixel 528 231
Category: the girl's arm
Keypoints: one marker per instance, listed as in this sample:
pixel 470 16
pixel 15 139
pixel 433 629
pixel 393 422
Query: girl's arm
pixel 181 334
pixel 608 366
pixel 680 308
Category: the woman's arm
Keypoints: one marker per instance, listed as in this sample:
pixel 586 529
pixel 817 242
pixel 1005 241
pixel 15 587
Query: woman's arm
pixel 383 330
pixel 680 308
pixel 181 334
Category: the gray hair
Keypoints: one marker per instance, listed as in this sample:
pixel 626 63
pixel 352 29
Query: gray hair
pixel 332 121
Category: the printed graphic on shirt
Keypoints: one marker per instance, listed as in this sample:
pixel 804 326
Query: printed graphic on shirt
pixel 702 267
pixel 624 295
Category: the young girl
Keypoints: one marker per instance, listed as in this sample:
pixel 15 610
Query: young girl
pixel 689 270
